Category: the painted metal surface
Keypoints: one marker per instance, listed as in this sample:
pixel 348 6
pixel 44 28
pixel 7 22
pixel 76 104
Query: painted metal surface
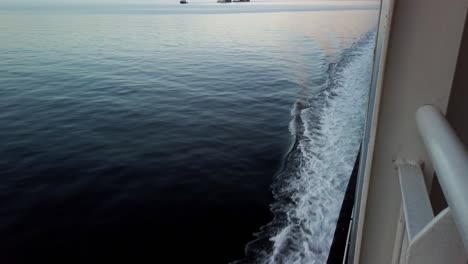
pixel 418 62
pixel 367 150
pixel 439 242
pixel 450 161
pixel 428 239
pixel 416 204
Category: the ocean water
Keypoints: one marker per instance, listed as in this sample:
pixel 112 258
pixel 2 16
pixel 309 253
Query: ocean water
pixel 197 133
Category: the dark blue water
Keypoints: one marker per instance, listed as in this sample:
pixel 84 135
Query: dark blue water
pixel 128 136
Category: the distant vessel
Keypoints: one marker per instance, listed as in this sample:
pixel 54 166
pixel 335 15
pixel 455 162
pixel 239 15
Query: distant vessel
pixel 183 2
pixel 224 1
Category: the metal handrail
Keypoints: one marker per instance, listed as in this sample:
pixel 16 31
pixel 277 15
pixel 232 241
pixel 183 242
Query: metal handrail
pixel 450 161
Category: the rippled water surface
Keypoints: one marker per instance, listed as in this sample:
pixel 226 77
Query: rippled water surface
pixel 151 132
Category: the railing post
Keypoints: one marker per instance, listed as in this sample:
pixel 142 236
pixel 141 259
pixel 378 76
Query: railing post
pixel 450 161
pixel 416 204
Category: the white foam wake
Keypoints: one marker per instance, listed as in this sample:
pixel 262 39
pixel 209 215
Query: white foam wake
pixel 333 125
pixel 310 188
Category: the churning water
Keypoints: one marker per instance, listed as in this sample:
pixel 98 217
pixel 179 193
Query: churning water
pixel 309 189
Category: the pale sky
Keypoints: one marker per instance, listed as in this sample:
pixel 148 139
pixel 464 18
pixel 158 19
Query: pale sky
pixel 40 2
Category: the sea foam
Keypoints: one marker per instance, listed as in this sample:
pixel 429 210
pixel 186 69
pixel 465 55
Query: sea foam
pixel 310 187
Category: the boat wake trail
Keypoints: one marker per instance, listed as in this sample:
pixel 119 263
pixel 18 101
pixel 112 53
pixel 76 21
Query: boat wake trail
pixel 310 187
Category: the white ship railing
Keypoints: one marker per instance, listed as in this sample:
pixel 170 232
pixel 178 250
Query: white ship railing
pixel 450 161
pixel 442 238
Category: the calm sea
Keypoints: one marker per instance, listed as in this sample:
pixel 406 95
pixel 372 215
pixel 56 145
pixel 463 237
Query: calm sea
pixel 197 133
